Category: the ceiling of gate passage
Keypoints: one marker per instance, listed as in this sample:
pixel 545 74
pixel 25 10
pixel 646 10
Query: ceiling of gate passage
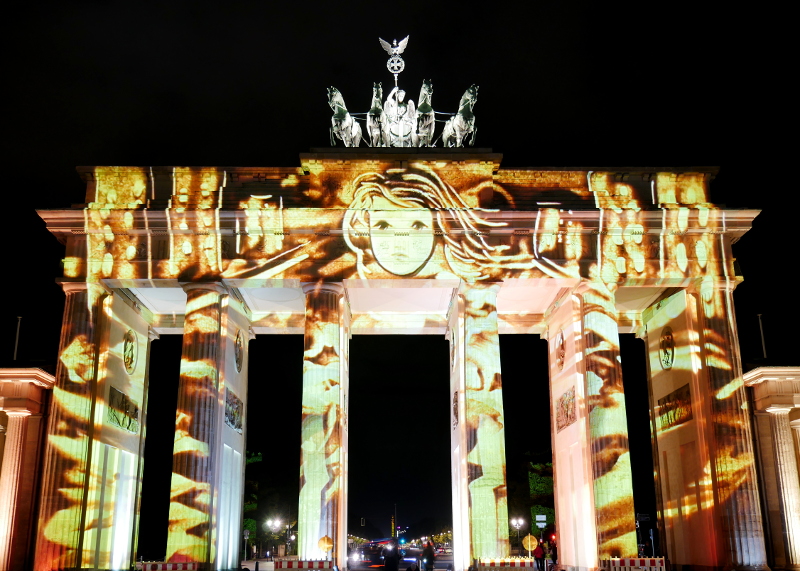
pixel 410 307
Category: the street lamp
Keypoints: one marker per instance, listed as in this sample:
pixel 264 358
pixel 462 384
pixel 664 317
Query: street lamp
pixel 274 525
pixel 517 522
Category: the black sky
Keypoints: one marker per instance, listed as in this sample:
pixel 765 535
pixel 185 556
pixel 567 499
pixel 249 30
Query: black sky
pixel 236 83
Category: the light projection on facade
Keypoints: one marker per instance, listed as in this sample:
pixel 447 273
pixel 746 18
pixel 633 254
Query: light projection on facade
pixel 702 427
pixel 575 255
pixel 484 423
pixel 93 466
pixel 323 476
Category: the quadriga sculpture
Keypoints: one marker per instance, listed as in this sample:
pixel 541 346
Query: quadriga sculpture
pixel 462 123
pixel 343 126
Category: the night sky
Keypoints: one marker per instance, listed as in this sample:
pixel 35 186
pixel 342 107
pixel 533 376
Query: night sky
pixel 197 83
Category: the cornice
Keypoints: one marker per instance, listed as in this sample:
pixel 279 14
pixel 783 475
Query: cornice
pixel 29 375
pixel 761 374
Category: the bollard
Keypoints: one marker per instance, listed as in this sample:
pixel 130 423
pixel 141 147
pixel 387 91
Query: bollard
pixel 256 565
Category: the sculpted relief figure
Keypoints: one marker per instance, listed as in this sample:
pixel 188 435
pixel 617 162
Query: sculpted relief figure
pixel 402 116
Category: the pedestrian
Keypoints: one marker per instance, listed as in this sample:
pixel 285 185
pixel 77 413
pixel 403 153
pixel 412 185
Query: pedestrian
pixel 538 554
pixel 391 556
pixel 428 556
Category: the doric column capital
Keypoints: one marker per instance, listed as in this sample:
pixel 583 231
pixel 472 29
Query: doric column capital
pixel 17 412
pixel 470 286
pixel 795 424
pixel 699 285
pixel 587 286
pixel 779 408
pixel 72 287
pixel 322 287
pixel 206 286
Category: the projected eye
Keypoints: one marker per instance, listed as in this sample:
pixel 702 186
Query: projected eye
pixel 419 225
pixel 381 225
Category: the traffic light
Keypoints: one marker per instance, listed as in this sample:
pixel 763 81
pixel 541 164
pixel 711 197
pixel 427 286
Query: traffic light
pixel 553 537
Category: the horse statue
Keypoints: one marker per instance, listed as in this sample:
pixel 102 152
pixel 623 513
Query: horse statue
pixel 376 119
pixel 462 123
pixel 425 115
pixel 343 126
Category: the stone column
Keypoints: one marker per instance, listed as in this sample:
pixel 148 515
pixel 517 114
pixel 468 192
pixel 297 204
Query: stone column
pixel 23 397
pixel 788 481
pixel 484 424
pixel 608 424
pixel 10 534
pixel 194 453
pixel 733 457
pixel 65 473
pixel 321 527
pixel 795 425
pixel 151 336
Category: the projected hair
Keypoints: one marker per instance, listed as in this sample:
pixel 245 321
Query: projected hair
pixel 461 227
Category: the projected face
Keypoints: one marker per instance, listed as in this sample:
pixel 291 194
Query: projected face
pixel 411 222
pixel 402 240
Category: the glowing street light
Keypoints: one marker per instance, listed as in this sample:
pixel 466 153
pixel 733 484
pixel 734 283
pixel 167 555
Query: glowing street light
pixel 517 522
pixel 274 525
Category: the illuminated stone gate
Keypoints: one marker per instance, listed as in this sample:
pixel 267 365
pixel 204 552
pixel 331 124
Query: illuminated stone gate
pixel 439 243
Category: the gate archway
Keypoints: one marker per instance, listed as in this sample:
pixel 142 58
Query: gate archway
pixel 443 243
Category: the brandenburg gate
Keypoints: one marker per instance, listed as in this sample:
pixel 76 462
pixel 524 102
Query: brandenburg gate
pixel 403 241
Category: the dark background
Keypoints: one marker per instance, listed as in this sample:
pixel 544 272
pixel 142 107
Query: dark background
pixel 236 83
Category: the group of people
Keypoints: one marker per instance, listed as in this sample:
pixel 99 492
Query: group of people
pixel 392 558
pixel 542 550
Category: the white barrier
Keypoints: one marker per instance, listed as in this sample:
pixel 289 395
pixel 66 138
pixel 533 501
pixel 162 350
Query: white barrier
pixel 634 564
pixel 496 565
pixel 304 565
pixel 167 566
